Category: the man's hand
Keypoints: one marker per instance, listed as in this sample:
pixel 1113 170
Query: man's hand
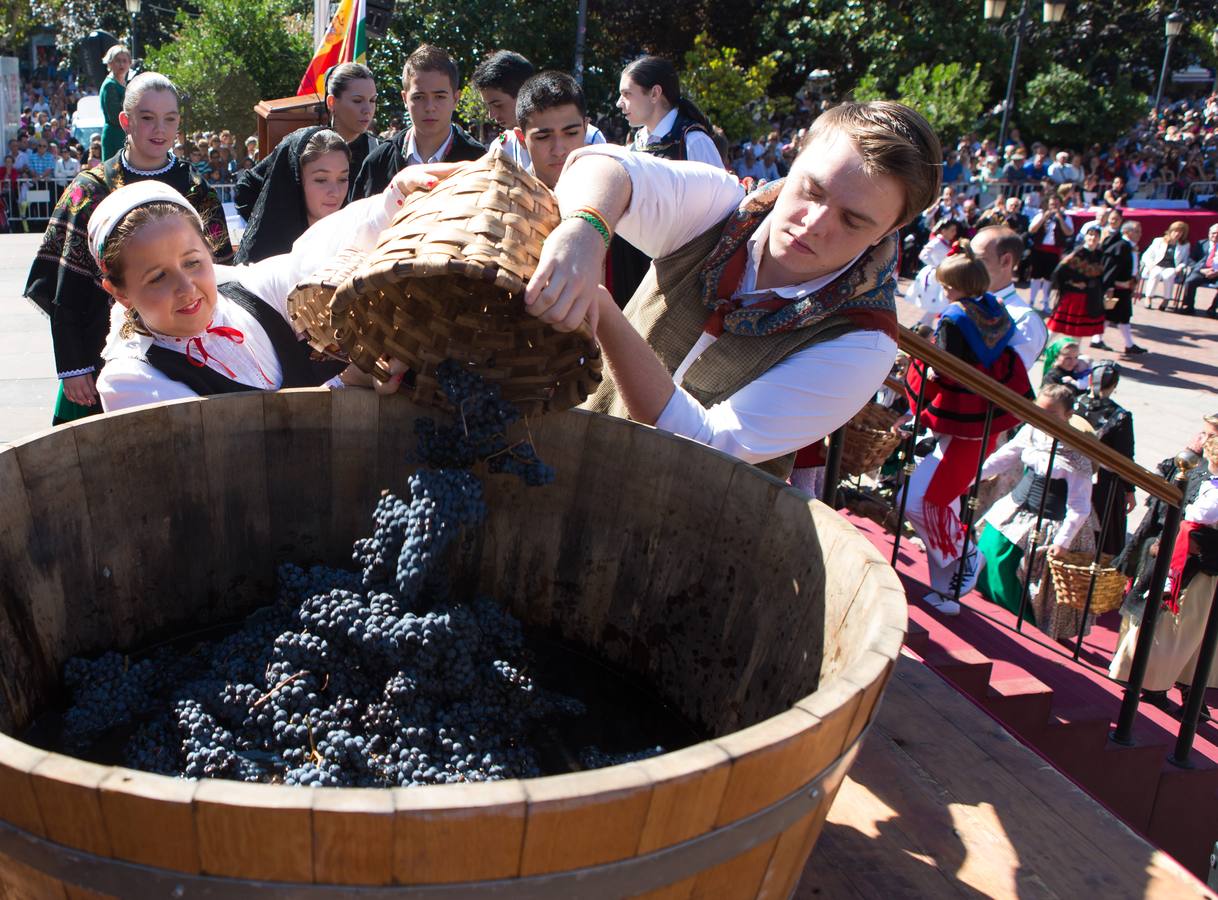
pixel 563 290
pixel 1131 500
pixel 1055 551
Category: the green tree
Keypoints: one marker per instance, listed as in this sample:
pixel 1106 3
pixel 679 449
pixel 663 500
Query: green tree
pixel 542 30
pixel 732 96
pixel 233 54
pixel 950 95
pixel 1064 107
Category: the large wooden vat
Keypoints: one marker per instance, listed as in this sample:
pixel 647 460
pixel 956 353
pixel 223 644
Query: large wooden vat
pixel 759 613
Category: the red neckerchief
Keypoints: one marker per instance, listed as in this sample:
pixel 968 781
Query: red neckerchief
pixel 222 331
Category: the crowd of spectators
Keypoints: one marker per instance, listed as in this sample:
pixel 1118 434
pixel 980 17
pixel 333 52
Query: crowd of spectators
pixel 1162 156
pixel 47 152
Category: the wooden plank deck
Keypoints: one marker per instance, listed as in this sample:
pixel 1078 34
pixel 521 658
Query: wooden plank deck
pixel 943 802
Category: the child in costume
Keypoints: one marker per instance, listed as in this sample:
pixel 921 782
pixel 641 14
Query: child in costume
pixel 977 329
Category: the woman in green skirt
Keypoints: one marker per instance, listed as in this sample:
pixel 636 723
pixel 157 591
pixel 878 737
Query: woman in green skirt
pixel 1010 522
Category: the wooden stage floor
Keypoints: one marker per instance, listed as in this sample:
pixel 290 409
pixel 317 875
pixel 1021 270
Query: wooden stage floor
pixel 944 802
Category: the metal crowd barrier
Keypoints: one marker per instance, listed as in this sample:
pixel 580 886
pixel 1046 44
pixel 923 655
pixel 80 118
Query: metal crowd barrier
pixel 28 201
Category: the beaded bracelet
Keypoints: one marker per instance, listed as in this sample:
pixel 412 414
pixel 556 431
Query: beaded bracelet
pixel 593 218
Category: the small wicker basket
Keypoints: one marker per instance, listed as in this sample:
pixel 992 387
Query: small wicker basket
pixel 1072 576
pixel 869 439
pixel 309 302
pixel 447 281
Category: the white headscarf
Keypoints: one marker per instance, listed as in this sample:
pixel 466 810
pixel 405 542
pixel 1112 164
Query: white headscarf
pixel 114 208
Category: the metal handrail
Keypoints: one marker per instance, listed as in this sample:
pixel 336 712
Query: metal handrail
pixel 1087 444
pixel 1171 493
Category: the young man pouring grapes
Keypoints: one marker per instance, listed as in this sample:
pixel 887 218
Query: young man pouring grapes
pixel 766 321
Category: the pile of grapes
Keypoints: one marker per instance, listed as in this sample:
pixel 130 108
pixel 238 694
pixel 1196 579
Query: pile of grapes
pixel 370 677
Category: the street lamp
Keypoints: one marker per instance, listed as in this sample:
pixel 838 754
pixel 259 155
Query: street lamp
pixel 133 7
pixel 1054 11
pixel 1173 25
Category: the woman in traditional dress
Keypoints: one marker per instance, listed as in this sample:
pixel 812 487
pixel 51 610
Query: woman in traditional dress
pixel 351 101
pixel 307 180
pixel 1079 311
pixel 1192 577
pixel 977 329
pixel 194 329
pixel 64 280
pixel 1065 496
pixel 1113 497
pixel 113 90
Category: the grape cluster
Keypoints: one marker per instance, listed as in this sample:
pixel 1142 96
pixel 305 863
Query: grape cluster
pixel 478 431
pixel 368 677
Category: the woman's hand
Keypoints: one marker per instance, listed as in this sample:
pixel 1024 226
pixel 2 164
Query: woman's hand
pixel 1131 500
pixel 1055 551
pixel 418 178
pixel 563 290
pixel 81 389
pixel 397 371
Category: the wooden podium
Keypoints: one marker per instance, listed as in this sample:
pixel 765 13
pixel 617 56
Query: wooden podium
pixel 277 118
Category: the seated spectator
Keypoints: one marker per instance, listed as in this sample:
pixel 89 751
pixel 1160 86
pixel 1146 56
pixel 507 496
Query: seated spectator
pixel 1116 196
pixel 1037 168
pixel 1165 263
pixel 1091 189
pixel 749 166
pixel 1203 273
pixel 1062 172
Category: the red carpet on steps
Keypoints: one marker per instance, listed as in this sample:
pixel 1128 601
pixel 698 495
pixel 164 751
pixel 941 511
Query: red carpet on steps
pixel 1063 710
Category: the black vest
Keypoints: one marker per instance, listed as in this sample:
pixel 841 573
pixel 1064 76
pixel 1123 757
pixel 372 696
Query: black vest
pixel 1032 487
pixel 295 356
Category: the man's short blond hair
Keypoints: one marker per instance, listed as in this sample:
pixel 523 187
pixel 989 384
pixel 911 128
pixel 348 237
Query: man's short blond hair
pixel 893 140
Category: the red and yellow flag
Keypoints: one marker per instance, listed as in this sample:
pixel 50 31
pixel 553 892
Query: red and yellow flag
pixel 345 41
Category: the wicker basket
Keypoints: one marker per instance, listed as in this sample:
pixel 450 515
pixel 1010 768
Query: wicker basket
pixel 1072 576
pixel 309 302
pixel 447 281
pixel 869 439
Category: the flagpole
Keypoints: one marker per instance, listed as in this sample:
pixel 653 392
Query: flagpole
pixel 321 21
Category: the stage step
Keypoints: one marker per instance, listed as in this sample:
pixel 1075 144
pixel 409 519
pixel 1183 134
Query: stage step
pixel 1064 712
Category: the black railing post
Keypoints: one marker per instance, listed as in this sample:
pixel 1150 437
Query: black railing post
pixel 1034 537
pixel 1196 693
pixel 970 503
pixel 1123 734
pixel 907 462
pixel 833 468
pixel 1095 563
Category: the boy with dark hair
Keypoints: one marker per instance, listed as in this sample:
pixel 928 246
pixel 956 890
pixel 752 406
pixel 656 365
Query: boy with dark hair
pixel 431 84
pixel 498 79
pixel 552 121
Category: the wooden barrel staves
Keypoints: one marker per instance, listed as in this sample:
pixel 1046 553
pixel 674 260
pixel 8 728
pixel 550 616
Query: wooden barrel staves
pixel 759 614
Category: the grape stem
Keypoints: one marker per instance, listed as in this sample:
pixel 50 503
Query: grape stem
pixel 267 696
